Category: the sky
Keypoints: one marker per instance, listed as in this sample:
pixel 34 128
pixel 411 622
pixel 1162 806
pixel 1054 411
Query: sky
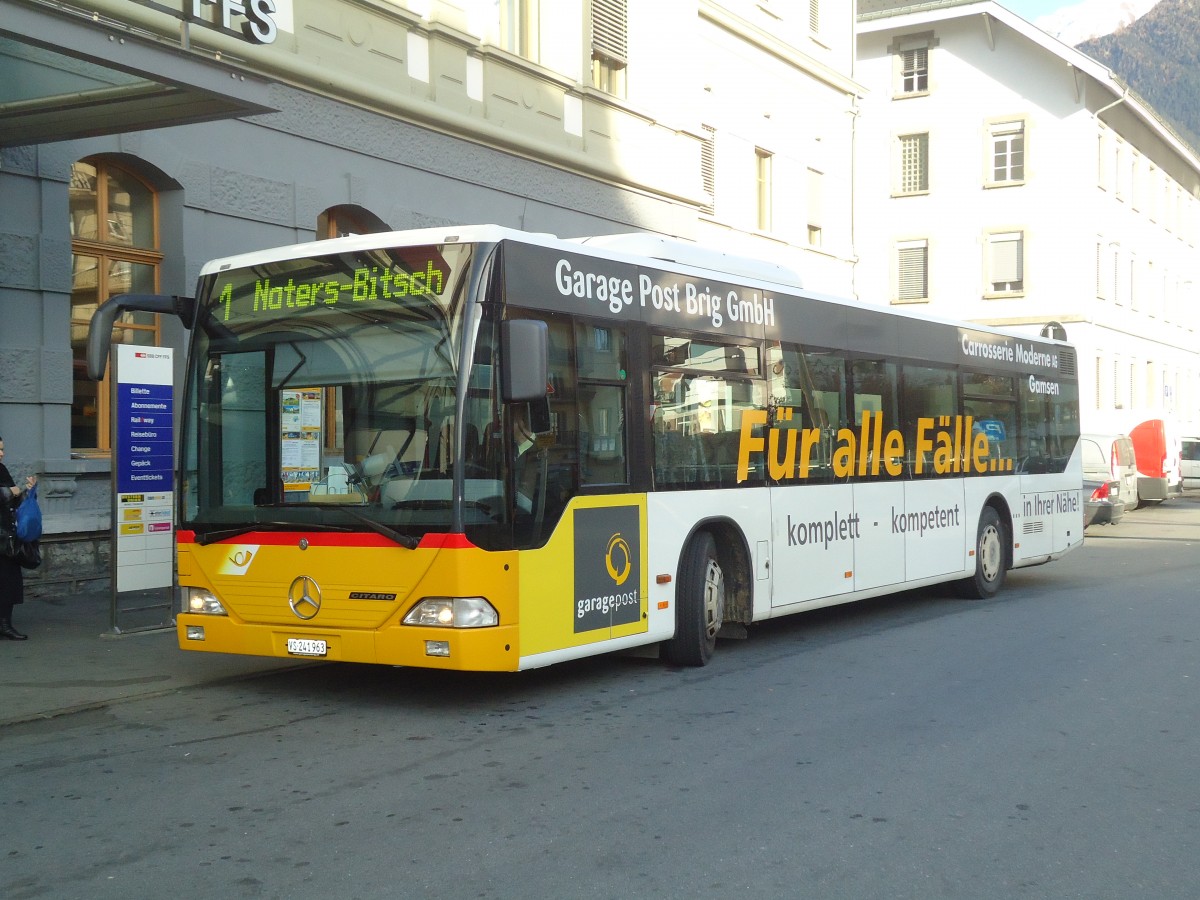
pixel 1029 10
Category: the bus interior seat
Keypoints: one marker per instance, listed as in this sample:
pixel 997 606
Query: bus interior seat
pixel 669 458
pixel 724 456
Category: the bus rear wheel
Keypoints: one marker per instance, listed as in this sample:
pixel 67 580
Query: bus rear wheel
pixel 990 567
pixel 699 604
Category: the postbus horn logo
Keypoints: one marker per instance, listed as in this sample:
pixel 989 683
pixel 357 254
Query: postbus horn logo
pixel 618 555
pixel 304 597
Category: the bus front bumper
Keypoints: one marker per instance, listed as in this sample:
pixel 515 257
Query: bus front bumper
pixel 463 649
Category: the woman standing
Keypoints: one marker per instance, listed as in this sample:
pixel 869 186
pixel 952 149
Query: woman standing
pixel 12 576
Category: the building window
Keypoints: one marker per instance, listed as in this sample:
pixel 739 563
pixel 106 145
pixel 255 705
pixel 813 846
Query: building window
pixel 348 219
pixel 1008 152
pixel 708 168
pixel 1117 295
pixel 816 210
pixel 762 163
pixel 912 270
pixel 1135 287
pixel 1006 262
pixel 1137 186
pixel 1119 170
pixel 610 45
pixel 1152 194
pixel 914 71
pixel 519 28
pixel 914 163
pixel 114 250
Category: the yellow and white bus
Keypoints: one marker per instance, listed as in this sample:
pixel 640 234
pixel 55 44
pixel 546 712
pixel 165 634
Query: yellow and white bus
pixel 481 449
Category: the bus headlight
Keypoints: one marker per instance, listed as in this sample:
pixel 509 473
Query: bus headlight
pixel 453 612
pixel 199 600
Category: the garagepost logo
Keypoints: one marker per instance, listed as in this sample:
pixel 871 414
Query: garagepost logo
pixel 608 572
pixel 618 560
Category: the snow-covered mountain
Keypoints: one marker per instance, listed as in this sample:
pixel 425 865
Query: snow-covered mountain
pixel 1092 18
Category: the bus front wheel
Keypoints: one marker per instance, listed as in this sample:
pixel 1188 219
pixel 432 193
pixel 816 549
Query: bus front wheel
pixel 699 604
pixel 990 557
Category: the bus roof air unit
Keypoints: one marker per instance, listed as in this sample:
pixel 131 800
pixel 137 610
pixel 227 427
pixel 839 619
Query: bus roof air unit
pixel 687 253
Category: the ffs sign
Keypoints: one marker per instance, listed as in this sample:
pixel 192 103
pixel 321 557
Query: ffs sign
pixel 259 27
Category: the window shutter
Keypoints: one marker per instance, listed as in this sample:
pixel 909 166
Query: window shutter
pixel 610 29
pixel 914 271
pixel 1006 259
pixel 1116 274
pixel 708 167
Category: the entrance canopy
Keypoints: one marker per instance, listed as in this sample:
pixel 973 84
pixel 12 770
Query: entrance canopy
pixel 66 75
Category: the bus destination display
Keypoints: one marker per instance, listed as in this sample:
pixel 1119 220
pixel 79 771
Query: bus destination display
pixel 275 296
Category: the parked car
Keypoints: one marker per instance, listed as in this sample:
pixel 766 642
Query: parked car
pixel 1189 461
pixel 1099 507
pixel 1111 457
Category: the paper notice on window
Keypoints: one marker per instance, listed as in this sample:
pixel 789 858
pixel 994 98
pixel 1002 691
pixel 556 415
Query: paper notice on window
pixel 301 421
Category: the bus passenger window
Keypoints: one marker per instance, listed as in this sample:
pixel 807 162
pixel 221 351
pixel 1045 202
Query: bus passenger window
pixel 602 434
pixel 697 429
pixel 1049 429
pixel 991 402
pixel 814 383
pixel 873 386
pixel 929 392
pixel 601 360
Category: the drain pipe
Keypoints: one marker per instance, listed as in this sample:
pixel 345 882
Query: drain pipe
pixel 1124 96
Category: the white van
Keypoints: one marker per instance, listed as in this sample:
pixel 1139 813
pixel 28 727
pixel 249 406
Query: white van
pixel 1113 453
pixel 1189 461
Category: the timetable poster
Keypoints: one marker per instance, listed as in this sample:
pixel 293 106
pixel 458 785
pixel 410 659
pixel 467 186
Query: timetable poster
pixel 300 413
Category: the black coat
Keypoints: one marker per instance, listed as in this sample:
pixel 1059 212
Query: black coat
pixel 12 576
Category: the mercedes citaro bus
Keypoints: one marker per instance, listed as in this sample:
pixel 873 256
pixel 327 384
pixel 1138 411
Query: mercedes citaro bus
pixel 476 448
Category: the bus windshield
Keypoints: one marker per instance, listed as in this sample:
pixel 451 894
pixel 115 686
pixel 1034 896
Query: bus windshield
pixel 322 395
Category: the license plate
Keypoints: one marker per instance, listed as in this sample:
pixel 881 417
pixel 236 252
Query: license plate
pixel 306 647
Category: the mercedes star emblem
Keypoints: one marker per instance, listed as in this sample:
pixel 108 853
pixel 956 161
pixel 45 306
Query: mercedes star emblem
pixel 304 597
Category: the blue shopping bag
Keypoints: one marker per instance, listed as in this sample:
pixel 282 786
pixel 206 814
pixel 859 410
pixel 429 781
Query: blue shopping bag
pixel 29 517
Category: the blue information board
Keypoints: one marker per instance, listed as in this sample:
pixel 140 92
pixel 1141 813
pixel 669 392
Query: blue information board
pixel 144 468
pixel 145 454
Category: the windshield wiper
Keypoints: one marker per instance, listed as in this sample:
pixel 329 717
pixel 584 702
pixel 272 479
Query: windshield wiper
pixel 224 534
pixel 403 540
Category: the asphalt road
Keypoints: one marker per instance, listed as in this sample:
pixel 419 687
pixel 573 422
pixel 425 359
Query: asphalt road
pixel 1043 744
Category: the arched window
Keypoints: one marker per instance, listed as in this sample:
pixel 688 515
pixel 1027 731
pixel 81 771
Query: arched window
pixel 114 250
pixel 339 221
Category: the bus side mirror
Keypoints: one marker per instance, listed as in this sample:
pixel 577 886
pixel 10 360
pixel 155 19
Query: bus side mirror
pixel 524 344
pixel 105 317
